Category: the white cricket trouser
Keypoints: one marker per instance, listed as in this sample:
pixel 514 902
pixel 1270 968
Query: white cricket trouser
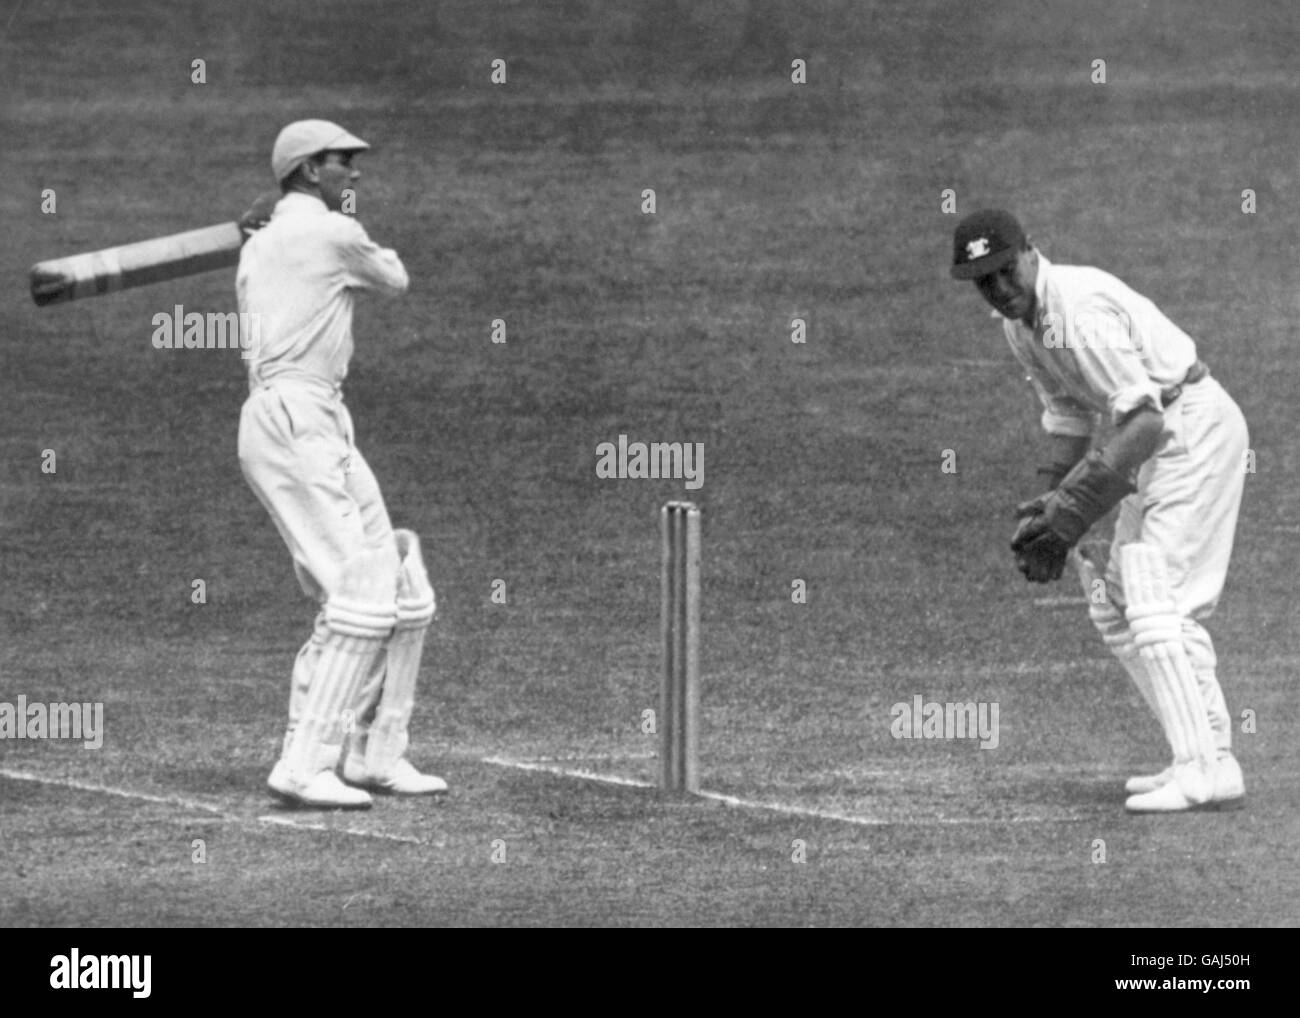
pixel 297 453
pixel 1186 505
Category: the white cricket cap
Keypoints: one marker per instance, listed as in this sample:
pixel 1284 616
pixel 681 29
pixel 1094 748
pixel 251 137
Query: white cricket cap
pixel 304 138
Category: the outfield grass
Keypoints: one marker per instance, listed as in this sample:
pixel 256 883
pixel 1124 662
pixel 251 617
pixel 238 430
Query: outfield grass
pixel 823 461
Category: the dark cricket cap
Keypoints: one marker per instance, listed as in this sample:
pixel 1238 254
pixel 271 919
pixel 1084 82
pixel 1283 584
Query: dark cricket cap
pixel 984 242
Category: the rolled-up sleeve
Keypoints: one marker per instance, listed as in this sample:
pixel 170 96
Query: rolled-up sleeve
pixel 1108 346
pixel 368 266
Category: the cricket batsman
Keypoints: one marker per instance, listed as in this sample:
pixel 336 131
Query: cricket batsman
pixel 1175 467
pixel 354 680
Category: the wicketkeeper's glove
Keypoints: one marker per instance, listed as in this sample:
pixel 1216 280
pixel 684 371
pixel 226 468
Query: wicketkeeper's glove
pixel 1053 523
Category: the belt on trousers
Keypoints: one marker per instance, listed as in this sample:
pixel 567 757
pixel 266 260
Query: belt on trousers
pixel 1197 372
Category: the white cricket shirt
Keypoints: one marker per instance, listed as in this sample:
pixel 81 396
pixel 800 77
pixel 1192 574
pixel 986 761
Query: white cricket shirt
pixel 298 274
pixel 1097 347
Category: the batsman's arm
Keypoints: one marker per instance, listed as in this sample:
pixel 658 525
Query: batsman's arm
pixel 369 266
pixel 260 212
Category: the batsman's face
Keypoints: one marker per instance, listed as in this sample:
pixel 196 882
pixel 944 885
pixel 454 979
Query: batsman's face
pixel 1010 290
pixel 334 176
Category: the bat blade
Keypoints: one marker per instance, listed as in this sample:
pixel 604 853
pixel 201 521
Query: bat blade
pixel 138 264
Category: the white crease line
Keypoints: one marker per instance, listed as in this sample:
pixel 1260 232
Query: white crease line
pixel 593 756
pixel 850 818
pixel 123 793
pixel 1058 602
pixel 357 832
pixel 568 772
pixel 776 807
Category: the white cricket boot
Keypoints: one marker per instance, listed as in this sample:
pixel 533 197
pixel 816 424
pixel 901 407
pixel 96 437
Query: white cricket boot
pixel 401 779
pixel 1228 790
pixel 1141 783
pixel 1229 783
pixel 323 790
pixel 1190 788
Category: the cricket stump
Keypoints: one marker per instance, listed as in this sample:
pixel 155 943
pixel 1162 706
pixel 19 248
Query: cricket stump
pixel 679 707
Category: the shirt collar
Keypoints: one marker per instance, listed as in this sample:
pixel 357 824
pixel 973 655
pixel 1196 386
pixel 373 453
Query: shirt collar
pixel 302 202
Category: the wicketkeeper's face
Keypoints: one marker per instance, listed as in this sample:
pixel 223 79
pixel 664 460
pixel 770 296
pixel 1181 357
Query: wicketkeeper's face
pixel 1010 290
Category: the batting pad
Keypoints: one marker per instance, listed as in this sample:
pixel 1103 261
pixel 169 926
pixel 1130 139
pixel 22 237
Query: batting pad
pixel 1157 634
pixel 1115 633
pixel 304 668
pixel 315 741
pixel 349 637
pixel 385 705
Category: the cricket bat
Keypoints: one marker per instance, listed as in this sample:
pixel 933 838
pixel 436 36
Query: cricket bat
pixel 147 261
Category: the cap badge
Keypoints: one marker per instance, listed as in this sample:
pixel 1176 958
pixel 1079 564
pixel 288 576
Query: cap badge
pixel 977 248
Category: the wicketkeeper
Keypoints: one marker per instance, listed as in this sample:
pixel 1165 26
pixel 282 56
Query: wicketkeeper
pixel 1175 467
pixel 354 681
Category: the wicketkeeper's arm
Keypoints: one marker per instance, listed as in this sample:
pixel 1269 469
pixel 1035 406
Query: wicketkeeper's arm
pixel 1098 482
pixel 1054 523
pixel 1135 441
pixel 1064 452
